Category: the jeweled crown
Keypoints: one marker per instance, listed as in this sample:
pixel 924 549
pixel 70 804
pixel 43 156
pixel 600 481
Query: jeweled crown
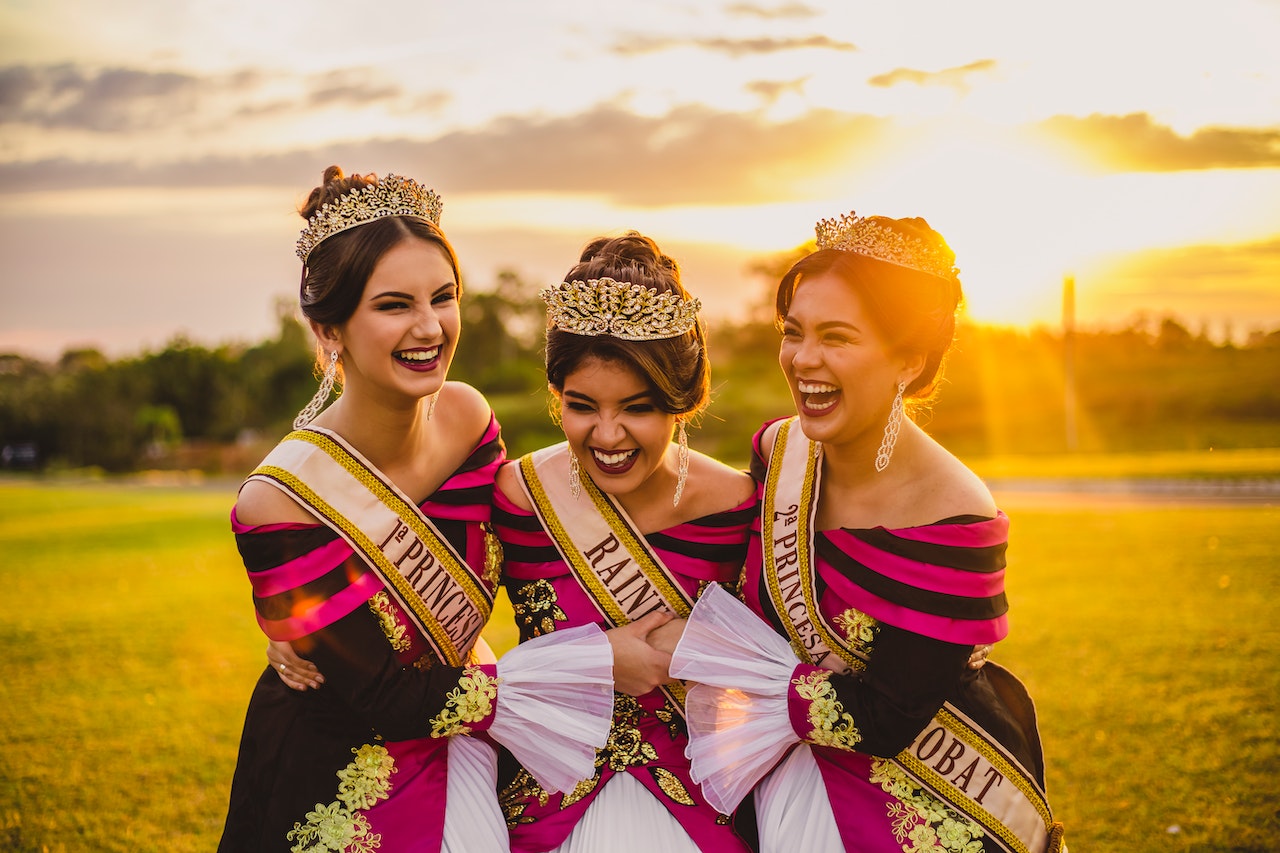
pixel 852 233
pixel 390 196
pixel 629 312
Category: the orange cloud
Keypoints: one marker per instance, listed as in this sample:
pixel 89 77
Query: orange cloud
pixel 1135 143
pixel 955 78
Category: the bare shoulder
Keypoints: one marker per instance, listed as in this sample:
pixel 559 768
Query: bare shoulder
pixel 261 503
pixel 953 489
pixel 464 407
pixel 508 482
pixel 728 482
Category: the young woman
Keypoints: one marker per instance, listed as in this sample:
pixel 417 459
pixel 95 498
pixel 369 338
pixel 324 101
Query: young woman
pixel 841 687
pixel 623 527
pixel 363 536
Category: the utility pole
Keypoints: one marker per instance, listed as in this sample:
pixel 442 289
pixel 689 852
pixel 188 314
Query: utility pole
pixel 1069 361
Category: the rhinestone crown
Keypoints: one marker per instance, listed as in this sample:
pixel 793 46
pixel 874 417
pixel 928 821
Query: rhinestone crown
pixel 390 196
pixel 629 312
pixel 852 233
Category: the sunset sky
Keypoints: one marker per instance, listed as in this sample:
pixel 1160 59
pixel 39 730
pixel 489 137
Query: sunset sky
pixel 152 152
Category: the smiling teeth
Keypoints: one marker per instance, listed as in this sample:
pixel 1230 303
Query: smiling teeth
pixel 610 460
pixel 419 355
pixel 816 388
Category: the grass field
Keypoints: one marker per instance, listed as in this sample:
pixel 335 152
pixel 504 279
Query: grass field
pixel 1149 636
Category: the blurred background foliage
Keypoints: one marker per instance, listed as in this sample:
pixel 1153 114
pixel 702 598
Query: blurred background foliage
pixel 1150 385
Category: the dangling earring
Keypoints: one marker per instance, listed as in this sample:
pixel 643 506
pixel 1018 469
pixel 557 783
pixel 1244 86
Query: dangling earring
pixel 431 407
pixel 309 412
pixel 891 430
pixel 682 462
pixel 575 475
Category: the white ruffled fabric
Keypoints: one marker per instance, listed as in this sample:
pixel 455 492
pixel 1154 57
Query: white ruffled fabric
pixel 793 810
pixel 555 704
pixel 739 727
pixel 473 821
pixel 626 818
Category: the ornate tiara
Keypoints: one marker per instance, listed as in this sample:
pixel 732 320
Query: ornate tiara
pixel 629 312
pixel 390 196
pixel 852 233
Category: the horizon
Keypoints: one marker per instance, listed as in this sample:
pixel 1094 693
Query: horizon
pixel 153 158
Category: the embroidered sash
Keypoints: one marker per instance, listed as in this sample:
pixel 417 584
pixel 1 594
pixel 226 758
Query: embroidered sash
pixel 607 555
pixel 433 584
pixel 953 757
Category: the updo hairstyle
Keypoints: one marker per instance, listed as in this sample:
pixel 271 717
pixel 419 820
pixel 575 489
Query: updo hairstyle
pixel 677 370
pixel 336 271
pixel 914 311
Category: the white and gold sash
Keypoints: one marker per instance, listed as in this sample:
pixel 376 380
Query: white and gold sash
pixel 433 584
pixel 953 757
pixel 605 551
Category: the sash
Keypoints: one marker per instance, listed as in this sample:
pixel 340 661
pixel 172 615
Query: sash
pixel 953 758
pixel 436 589
pixel 605 552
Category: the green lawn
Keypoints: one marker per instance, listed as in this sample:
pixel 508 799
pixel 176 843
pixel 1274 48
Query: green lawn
pixel 1149 637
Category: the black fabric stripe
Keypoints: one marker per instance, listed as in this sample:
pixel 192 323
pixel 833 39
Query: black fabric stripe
pixel 513 521
pixel 965 557
pixel 904 595
pixel 698 550
pixel 729 518
pixel 530 553
pixel 462 497
pixel 261 552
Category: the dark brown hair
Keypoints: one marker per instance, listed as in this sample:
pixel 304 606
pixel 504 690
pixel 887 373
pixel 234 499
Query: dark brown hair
pixel 915 311
pixel 677 370
pixel 337 270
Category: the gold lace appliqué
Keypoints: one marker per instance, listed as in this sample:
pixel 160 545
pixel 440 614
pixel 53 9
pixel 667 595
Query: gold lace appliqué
pixel 470 702
pixel 831 725
pixel 859 630
pixel 492 556
pixel 536 608
pixel 922 822
pixel 340 826
pixel 381 606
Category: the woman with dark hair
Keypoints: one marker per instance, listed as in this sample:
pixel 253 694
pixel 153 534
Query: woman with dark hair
pixel 363 533
pixel 840 691
pixel 622 526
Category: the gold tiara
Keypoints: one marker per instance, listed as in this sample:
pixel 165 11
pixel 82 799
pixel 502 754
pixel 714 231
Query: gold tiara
pixel 629 312
pixel 390 196
pixel 851 233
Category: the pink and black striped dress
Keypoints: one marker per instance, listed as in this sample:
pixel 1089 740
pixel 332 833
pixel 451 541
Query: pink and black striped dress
pixel 914 603
pixel 365 761
pixel 648 737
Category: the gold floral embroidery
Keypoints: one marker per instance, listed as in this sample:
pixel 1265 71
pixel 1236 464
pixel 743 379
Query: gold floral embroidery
pixel 516 797
pixel 626 746
pixel 536 608
pixel 470 702
pixel 921 821
pixel 831 725
pixel 672 786
pixel 382 607
pixel 580 790
pixel 492 556
pixel 340 826
pixel 859 629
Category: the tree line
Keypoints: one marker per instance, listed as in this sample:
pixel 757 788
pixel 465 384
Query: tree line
pixel 1152 385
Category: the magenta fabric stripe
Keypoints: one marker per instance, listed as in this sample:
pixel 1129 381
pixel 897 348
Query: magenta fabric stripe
pixel 326 613
pixel 301 570
pixel 963 631
pixel 977 534
pixel 926 576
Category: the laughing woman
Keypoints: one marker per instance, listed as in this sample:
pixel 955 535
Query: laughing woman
pixel 841 686
pixel 623 527
pixel 363 536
